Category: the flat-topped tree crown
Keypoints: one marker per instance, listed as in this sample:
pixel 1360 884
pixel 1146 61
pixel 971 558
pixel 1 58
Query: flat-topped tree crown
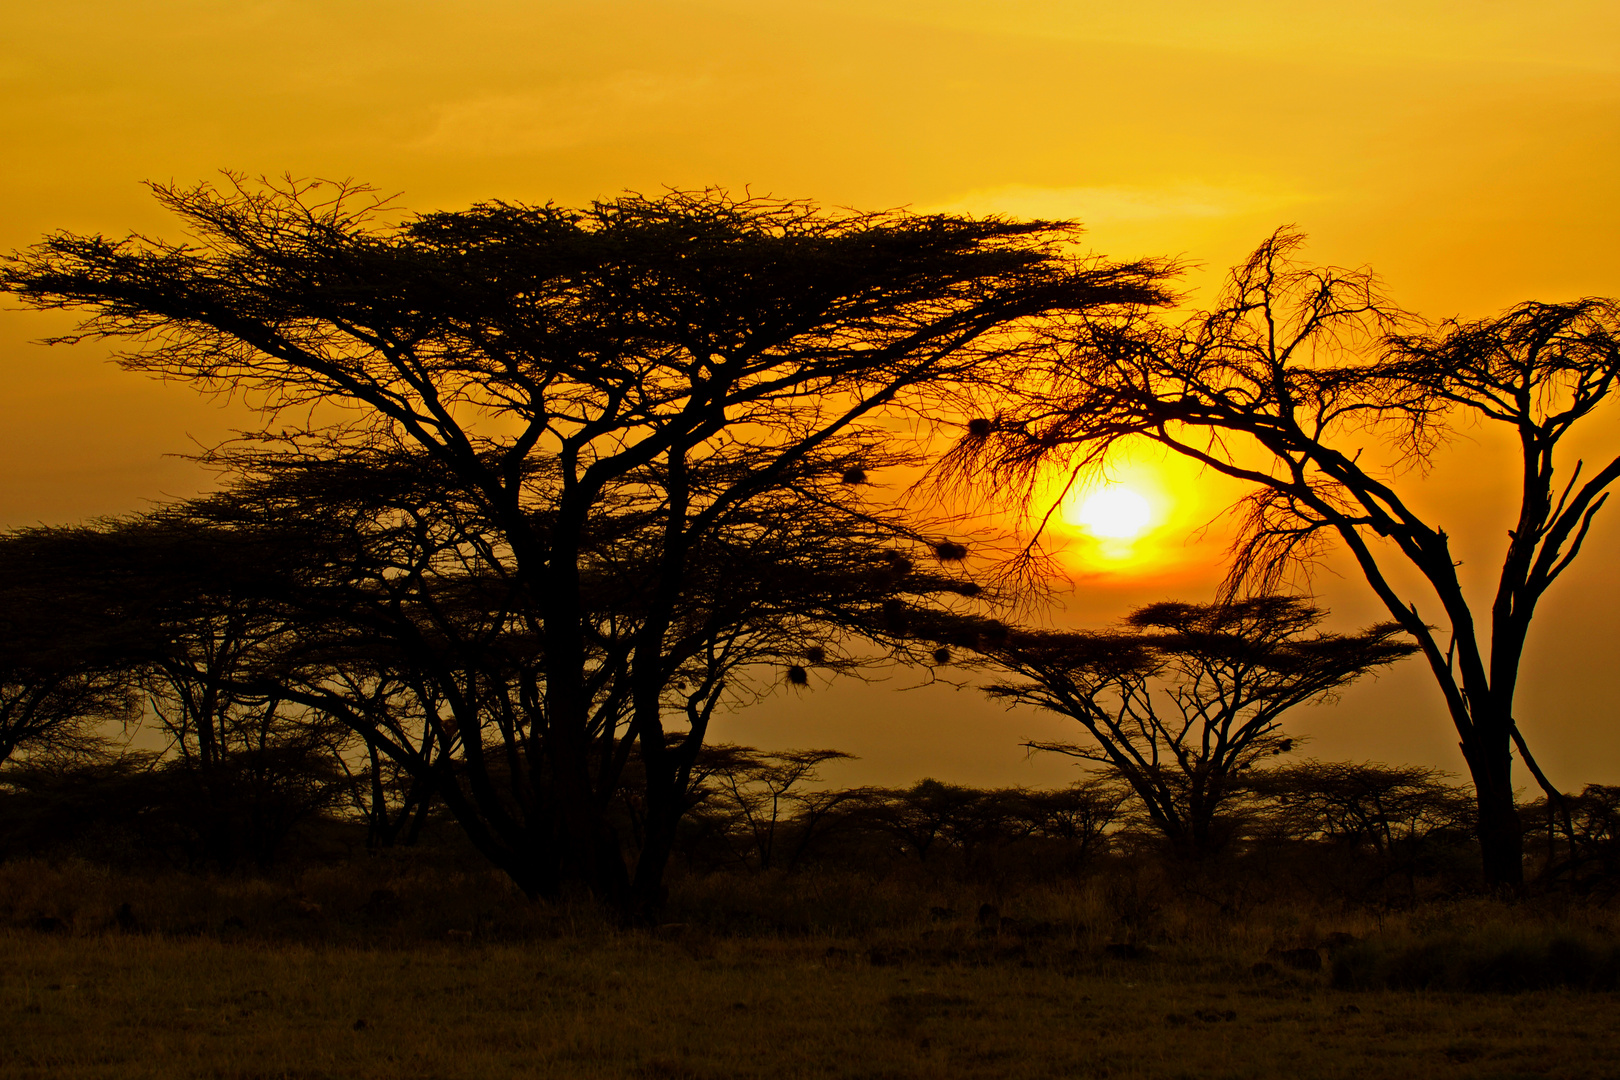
pixel 692 367
pixel 1184 698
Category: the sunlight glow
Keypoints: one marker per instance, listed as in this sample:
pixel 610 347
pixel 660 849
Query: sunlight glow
pixel 1142 515
pixel 1114 513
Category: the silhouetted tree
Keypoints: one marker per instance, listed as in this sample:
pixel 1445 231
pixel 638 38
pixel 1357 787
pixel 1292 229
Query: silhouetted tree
pixel 1361 827
pixel 1062 829
pixel 1362 804
pixel 187 634
pixel 678 358
pixel 758 802
pixel 1283 385
pixel 1081 814
pixel 61 677
pixel 927 813
pixel 109 807
pixel 1186 697
pixel 1595 860
pixel 1582 838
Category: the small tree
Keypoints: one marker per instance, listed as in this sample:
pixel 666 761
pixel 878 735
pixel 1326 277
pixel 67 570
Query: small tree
pixel 756 800
pixel 61 670
pixel 1382 807
pixel 930 813
pixel 1186 697
pixel 1283 385
pixel 1079 815
pixel 980 823
pixel 181 633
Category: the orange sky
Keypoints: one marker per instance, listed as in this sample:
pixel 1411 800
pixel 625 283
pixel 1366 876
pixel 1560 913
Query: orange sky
pixel 1467 151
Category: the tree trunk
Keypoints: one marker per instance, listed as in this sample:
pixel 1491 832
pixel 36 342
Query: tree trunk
pixel 665 803
pixel 1501 839
pixel 1501 834
pixel 647 894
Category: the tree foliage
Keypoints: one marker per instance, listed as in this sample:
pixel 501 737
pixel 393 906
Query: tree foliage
pixel 1381 807
pixel 766 808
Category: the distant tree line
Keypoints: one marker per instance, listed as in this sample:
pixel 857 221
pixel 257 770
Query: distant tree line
pixel 1356 830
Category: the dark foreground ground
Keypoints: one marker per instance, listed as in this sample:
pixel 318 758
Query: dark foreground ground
pixel 683 1004
pixel 409 969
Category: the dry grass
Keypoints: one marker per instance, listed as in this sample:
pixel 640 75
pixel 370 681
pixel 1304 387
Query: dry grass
pixel 609 1004
pixel 398 969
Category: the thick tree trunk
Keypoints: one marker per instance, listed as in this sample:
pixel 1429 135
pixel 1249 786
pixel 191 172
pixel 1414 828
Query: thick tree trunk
pixel 1501 838
pixel 607 877
pixel 664 804
pixel 647 894
pixel 1501 834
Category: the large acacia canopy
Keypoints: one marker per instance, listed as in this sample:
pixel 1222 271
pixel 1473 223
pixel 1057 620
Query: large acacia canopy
pixel 706 367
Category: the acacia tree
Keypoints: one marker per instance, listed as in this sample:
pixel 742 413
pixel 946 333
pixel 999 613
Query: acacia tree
pixel 1382 806
pixel 174 628
pixel 1185 698
pixel 1283 385
pixel 60 675
pixel 678 358
pixel 756 801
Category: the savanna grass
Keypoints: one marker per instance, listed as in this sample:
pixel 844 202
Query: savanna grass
pixel 402 967
pixel 630 1004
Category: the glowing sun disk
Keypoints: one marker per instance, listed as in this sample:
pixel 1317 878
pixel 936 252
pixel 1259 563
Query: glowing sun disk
pixel 1114 513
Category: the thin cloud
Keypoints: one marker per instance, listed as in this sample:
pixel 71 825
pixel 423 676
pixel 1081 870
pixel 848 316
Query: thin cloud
pixel 560 117
pixel 1098 206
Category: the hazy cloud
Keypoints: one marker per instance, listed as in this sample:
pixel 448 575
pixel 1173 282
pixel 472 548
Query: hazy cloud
pixel 1123 205
pixel 1491 32
pixel 555 118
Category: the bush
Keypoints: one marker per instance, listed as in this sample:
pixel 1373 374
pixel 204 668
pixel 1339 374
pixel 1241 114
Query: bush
pixel 1531 960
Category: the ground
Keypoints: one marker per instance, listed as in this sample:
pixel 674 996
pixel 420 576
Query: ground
pixel 680 1003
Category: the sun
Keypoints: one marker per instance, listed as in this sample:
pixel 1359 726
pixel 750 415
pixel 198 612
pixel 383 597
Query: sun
pixel 1124 519
pixel 1113 513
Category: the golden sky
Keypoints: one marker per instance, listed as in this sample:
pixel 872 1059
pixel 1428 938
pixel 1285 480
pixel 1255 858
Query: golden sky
pixel 1468 151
